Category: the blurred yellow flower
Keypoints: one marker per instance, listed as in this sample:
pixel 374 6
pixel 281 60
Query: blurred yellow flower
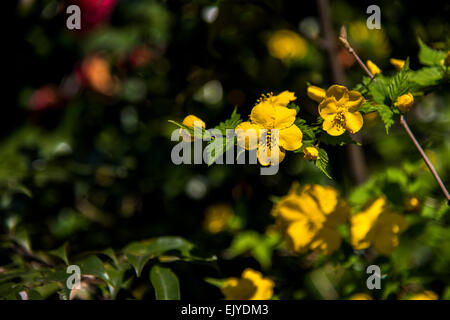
pixel 217 217
pixel 309 217
pixel 378 227
pixel 373 41
pixel 268 115
pixel 360 296
pixel 373 67
pixel 397 63
pixel 411 203
pixel 311 153
pixel 287 45
pixel 251 286
pixel 315 93
pixel 339 109
pixel 190 121
pixel 404 102
pixel 426 295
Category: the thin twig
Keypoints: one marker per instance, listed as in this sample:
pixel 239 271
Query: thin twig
pixel 344 41
pixel 356 156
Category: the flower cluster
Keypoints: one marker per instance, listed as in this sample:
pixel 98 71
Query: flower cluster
pixel 309 217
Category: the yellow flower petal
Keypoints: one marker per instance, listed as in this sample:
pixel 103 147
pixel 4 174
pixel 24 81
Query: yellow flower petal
pixel 353 121
pixel 397 63
pixel 315 93
pixel 263 114
pixel 247 135
pixel 340 93
pixel 355 101
pixel 282 99
pixel 373 67
pixel 328 107
pixel 331 127
pixel 266 156
pixel 360 296
pixel 300 234
pixel 284 117
pixel 311 153
pixel 327 241
pixel 290 138
pixel 426 295
pixel 238 289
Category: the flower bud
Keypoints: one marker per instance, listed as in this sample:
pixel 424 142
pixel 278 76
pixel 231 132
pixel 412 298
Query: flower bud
pixel 311 153
pixel 405 102
pixel 397 63
pixel 315 93
pixel 373 67
pixel 190 121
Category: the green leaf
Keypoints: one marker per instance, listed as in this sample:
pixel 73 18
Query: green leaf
pixel 386 115
pixel 165 282
pixel 230 123
pixel 368 107
pixel 378 90
pixel 426 77
pixel 204 134
pixel 398 84
pixel 92 265
pixel 322 162
pixel 61 253
pixel 220 145
pixel 429 56
pixel 139 254
pixel 216 282
pixel 307 131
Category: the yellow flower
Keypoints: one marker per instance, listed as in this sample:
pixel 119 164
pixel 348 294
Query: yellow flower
pixel 251 286
pixel 311 153
pixel 426 295
pixel 405 102
pixel 378 227
pixel 287 45
pixel 309 218
pixel 217 217
pixel 271 128
pixel 190 121
pixel 373 67
pixel 339 110
pixel 397 63
pixel 360 296
pixel 412 203
pixel 315 93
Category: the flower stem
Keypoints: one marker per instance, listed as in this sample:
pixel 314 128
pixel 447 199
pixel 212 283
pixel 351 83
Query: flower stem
pixel 344 41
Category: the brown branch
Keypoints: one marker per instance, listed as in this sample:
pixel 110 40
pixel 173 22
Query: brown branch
pixel 344 41
pixel 356 156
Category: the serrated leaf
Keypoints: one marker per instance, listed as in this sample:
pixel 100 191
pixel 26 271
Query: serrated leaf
pixel 217 147
pixel 322 162
pixel 398 84
pixel 429 56
pixel 165 282
pixel 368 107
pixel 386 115
pixel 307 131
pixel 215 282
pixel 230 123
pixel 378 90
pixel 200 135
pixel 427 76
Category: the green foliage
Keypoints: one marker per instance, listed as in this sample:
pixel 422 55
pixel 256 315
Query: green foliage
pixel 165 282
pixel 322 162
pixel 429 56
